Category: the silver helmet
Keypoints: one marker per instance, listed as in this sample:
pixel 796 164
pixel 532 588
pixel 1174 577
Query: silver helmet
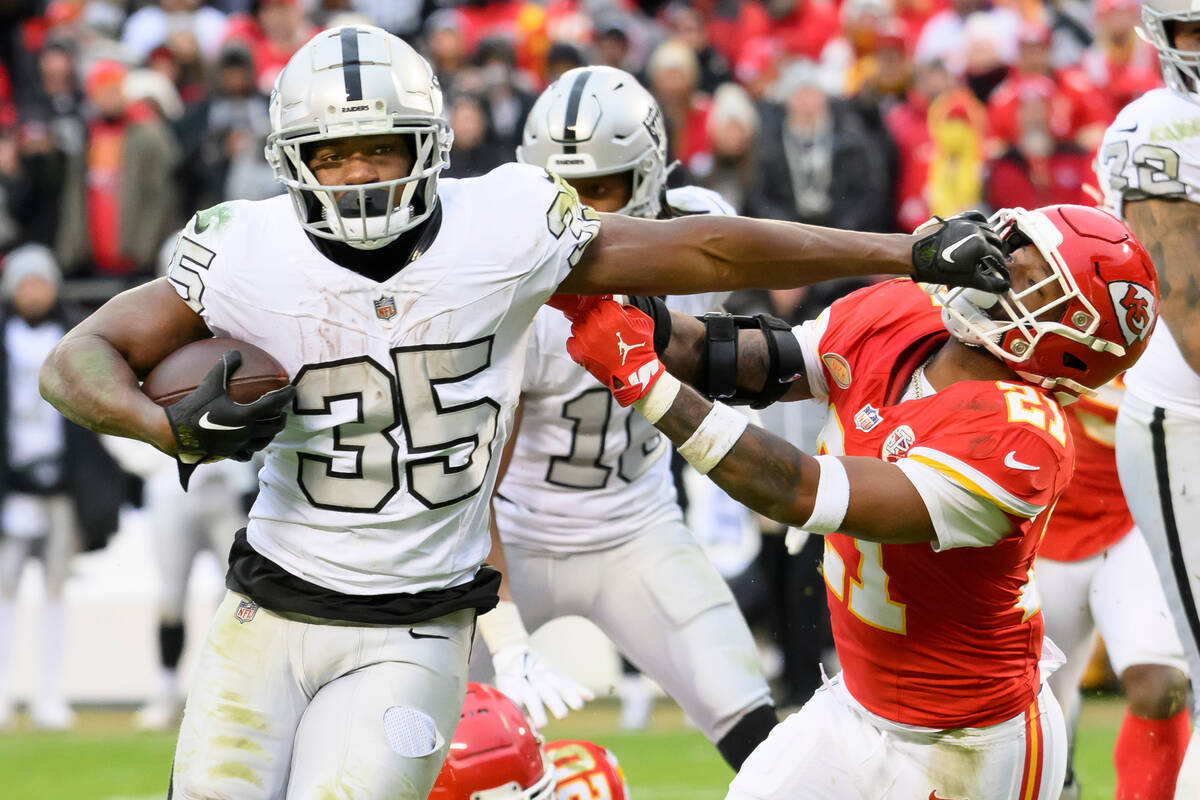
pixel 1180 68
pixel 597 121
pixel 358 80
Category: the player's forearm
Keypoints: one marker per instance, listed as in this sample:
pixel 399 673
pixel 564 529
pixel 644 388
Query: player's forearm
pixel 762 471
pixel 88 381
pixel 684 356
pixel 712 253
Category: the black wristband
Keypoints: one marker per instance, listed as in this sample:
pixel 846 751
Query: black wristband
pixel 720 355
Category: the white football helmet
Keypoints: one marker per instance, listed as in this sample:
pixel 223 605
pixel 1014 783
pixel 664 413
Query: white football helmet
pixel 1180 68
pixel 358 80
pixel 596 121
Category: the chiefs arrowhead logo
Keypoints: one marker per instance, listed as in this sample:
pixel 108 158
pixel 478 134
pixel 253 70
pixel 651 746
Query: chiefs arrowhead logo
pixel 1134 306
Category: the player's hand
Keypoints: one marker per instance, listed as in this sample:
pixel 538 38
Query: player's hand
pixel 616 344
pixel 964 251
pixel 207 423
pixel 573 305
pixel 527 680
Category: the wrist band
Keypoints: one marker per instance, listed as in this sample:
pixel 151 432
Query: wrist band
pixel 658 400
pixel 502 626
pixel 716 435
pixel 833 497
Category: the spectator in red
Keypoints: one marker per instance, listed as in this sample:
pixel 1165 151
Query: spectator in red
pixel 757 65
pixel 673 77
pixel 1119 63
pixel 1076 110
pixel 1039 168
pixel 803 26
pixel 273 30
pixel 908 124
pixel 732 22
pixel 733 125
pixel 131 196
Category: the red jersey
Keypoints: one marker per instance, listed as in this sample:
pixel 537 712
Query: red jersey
pixel 945 639
pixel 1092 514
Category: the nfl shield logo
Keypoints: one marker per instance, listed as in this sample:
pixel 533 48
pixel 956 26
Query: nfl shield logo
pixel 867 418
pixel 246 611
pixel 385 307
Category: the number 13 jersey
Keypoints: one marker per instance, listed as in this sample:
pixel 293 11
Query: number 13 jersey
pixel 380 481
pixel 944 634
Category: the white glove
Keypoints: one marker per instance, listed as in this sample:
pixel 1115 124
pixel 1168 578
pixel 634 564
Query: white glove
pixel 529 680
pixel 523 675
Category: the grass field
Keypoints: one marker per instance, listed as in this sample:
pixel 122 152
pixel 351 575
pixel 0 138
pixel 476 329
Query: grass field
pixel 105 760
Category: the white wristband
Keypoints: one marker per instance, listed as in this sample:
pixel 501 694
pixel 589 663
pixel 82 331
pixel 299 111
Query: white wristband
pixel 502 626
pixel 658 400
pixel 716 435
pixel 833 497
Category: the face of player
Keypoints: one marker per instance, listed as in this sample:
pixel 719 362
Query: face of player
pixel 606 193
pixel 355 160
pixel 1186 34
pixel 1027 267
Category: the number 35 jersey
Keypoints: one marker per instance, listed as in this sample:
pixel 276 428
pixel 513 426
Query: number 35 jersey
pixel 1152 151
pixel 585 473
pixel 945 634
pixel 406 388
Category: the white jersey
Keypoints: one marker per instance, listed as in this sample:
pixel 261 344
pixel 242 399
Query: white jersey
pixel 1152 149
pixel 586 473
pixel 406 389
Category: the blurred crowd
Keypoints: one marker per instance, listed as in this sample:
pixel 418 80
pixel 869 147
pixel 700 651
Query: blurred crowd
pixel 119 118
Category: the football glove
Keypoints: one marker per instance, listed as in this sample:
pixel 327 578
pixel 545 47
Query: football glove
pixel 527 680
pixel 964 251
pixel 572 305
pixel 616 344
pixel 208 424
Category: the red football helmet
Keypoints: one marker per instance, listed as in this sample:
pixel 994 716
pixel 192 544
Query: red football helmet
pixel 496 754
pixel 585 771
pixel 1084 338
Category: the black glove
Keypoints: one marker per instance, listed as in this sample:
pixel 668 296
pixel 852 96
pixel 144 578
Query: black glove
pixel 965 251
pixel 654 307
pixel 208 424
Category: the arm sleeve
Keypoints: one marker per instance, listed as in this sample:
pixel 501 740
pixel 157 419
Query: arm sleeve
pixel 960 517
pixel 809 334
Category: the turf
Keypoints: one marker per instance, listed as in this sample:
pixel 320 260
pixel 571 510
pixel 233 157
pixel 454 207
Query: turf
pixel 104 760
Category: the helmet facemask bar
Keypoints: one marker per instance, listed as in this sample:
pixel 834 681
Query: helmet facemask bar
pixel 349 218
pixel 970 315
pixel 1180 68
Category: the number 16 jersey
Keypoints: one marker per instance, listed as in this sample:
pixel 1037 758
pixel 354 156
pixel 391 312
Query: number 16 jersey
pixel 380 481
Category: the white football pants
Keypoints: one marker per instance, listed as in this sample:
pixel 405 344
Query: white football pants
pixel 1158 458
pixel 281 708
pixel 834 749
pixel 1117 593
pixel 663 604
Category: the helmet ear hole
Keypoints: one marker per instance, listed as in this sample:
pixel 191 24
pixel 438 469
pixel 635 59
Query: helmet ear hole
pixel 1072 361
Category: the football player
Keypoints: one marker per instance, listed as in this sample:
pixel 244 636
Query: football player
pixel 399 305
pixel 941 459
pixel 496 753
pixel 1096 573
pixel 1149 169
pixel 586 507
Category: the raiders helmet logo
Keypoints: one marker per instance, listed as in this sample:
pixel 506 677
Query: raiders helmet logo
pixel 1134 307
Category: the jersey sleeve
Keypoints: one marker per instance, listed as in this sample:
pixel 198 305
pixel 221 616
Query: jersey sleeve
pixel 197 269
pixel 1151 150
pixel 1008 446
pixel 565 226
pixel 809 334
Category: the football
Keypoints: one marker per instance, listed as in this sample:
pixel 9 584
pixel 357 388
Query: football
pixel 182 371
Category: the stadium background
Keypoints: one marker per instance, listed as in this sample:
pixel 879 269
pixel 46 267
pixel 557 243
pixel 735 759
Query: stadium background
pixel 118 119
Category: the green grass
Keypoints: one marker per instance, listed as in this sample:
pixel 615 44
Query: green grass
pixel 105 760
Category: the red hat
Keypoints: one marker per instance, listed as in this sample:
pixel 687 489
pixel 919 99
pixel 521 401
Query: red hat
pixel 104 73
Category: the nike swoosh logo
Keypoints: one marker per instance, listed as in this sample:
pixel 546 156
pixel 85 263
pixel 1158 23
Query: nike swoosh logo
pixel 1011 462
pixel 208 424
pixel 948 253
pixel 416 635
pixel 1128 130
